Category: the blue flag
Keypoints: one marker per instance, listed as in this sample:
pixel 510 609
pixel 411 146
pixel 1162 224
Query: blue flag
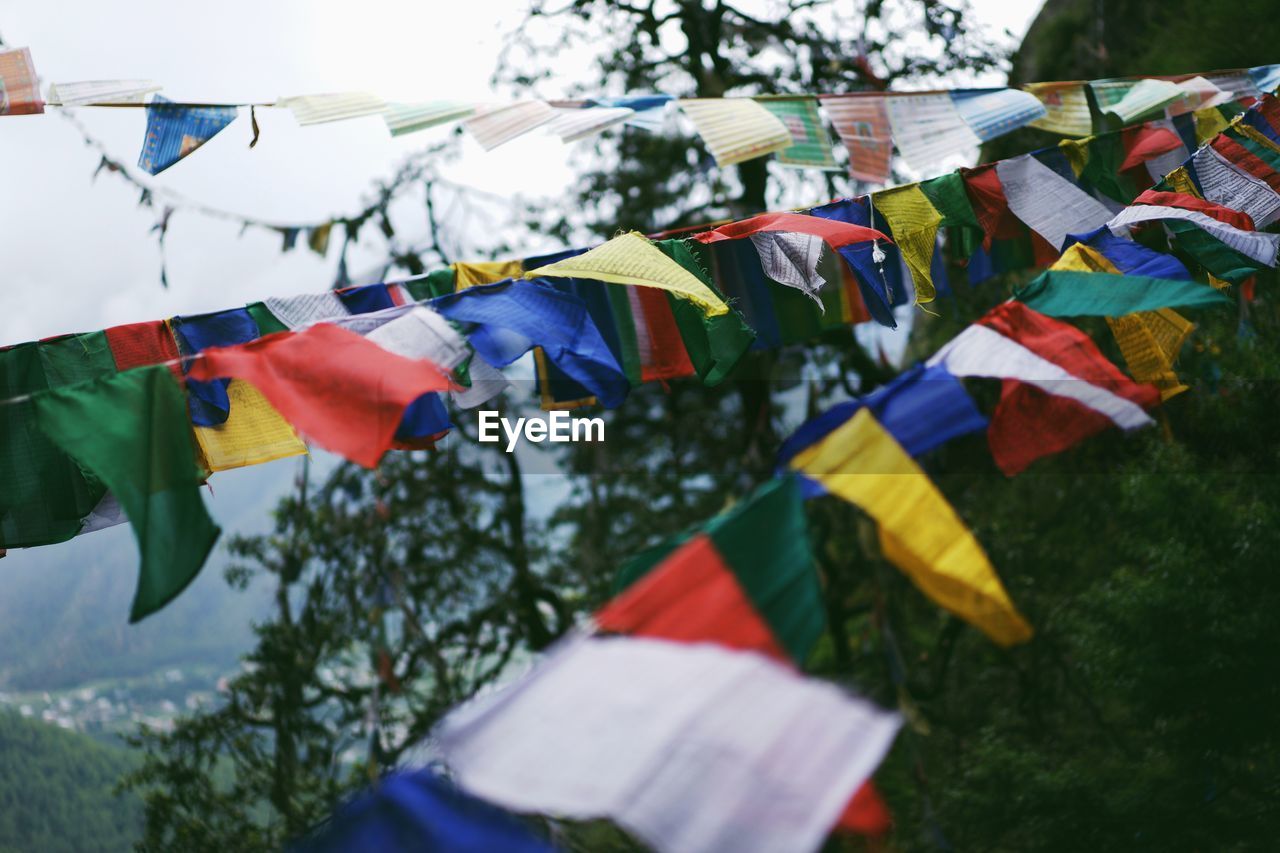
pixel 419 811
pixel 174 132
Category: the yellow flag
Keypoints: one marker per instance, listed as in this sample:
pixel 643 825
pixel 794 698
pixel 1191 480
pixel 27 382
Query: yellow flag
pixel 253 433
pixel 914 222
pixel 736 129
pixel 919 531
pixel 484 272
pixel 632 259
pixel 1148 340
pixel 1258 137
pixel 1077 153
pixel 1181 182
pixel 1209 123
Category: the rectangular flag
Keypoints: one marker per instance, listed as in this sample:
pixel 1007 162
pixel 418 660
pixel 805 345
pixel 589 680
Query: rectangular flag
pixel 810 144
pixel 693 747
pixel 19 85
pixel 736 129
pixel 863 125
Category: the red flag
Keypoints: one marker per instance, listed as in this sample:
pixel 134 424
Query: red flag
pixel 990 206
pixel 1234 218
pixel 337 388
pixel 1243 158
pixel 142 345
pixel 1145 142
pixel 834 233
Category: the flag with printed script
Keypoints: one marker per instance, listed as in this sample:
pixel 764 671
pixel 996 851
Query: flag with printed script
pixel 633 259
pixel 790 245
pixel 694 747
pixel 332 106
pixel 131 431
pixel 920 533
pixel 339 389
pixel 745 580
pixel 862 123
pixel 101 92
pixel 410 118
pixel 1048 203
pixel 420 811
pixel 736 129
pixel 19 85
pixel 173 132
pixel 497 125
pixel 1058 390
pixel 914 222
pixel 810 145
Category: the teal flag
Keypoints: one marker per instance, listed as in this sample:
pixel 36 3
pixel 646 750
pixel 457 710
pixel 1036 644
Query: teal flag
pixel 131 432
pixel 1067 293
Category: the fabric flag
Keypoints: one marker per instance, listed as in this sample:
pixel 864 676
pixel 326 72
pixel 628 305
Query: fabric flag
pixel 995 112
pixel 736 129
pixel 410 118
pixel 19 84
pixel 131 431
pixel 332 106
pixel 101 92
pixel 1066 108
pixel 633 259
pixel 929 130
pixel 693 747
pixel 920 533
pixel 1151 340
pixel 745 580
pixel 1068 293
pixel 579 123
pixel 914 222
pixel 1058 388
pixel 879 277
pixel 504 321
pixel 346 393
pixel 142 345
pixel 420 333
pixel 420 811
pixel 494 126
pixel 810 145
pixel 470 273
pixel 208 401
pixel 45 495
pixel 1123 103
pixel 173 132
pixel 1266 78
pixel 1049 204
pixel 922 408
pixel 1221 182
pixel 1257 247
pixel 863 125
pixel 253 433
pixel 298 312
pixel 789 245
pixel 650 113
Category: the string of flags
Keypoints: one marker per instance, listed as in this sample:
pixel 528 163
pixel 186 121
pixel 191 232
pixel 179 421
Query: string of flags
pixel 259 379
pixel 711 627
pixel 926 128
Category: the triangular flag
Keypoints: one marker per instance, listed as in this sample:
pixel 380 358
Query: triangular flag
pixel 919 531
pixel 632 259
pixel 173 132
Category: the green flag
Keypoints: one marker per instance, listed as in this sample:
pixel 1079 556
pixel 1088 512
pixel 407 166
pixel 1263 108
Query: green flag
pixel 131 431
pixel 763 542
pixel 1067 293
pixel 715 344
pixel 810 144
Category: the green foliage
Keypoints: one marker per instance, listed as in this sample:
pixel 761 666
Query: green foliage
pixel 57 791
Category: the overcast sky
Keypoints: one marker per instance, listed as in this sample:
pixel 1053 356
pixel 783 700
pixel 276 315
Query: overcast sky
pixel 77 253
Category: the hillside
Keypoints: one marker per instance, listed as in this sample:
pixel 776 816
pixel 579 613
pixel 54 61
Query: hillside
pixel 56 792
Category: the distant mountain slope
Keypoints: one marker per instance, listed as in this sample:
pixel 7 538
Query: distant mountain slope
pixel 64 609
pixel 56 791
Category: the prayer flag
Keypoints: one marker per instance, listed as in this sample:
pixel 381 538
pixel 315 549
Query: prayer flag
pixel 810 145
pixel 332 106
pixel 19 84
pixel 1070 293
pixel 494 126
pixel 346 393
pixel 863 125
pixel 919 531
pixel 130 429
pixel 693 747
pixel 1058 388
pixel 173 132
pixel 410 118
pixel 736 129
